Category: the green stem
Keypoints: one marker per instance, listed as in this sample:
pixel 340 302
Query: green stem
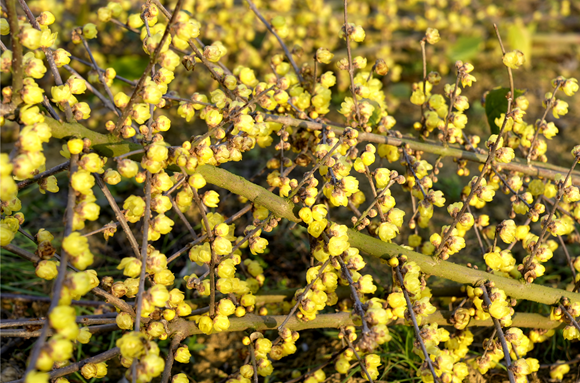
pixel 337 320
pixel 110 146
pixel 537 169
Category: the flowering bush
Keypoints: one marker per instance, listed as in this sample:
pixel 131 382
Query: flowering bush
pixel 341 177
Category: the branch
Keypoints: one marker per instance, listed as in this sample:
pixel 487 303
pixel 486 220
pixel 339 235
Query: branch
pixel 284 47
pixel 374 247
pixel 59 283
pixel 77 366
pixel 118 214
pixel 119 303
pixel 109 325
pixel 111 146
pixel 171 357
pixel 57 169
pixel 49 59
pixel 537 169
pixel 129 108
pixel 272 322
pixel 33 298
pixel 17 67
pixel 500 335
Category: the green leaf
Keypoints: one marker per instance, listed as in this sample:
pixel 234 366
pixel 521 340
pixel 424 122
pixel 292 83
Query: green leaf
pixel 130 67
pixel 519 37
pixel 496 104
pixel 375 118
pixel 465 48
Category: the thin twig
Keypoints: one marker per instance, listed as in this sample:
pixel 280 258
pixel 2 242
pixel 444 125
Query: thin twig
pixel 94 91
pixel 110 354
pixel 571 318
pixel 546 223
pixel 144 246
pixel 153 59
pixel 254 364
pixel 119 303
pixel 417 180
pixel 34 298
pixel 501 336
pixel 504 181
pixel 44 174
pixel 280 41
pixel 177 338
pixel 101 76
pixel 49 59
pixel 183 218
pixel 303 294
pixel 568 258
pixel 509 70
pixel 362 364
pixel 59 283
pixel 104 326
pixel 549 105
pixel 476 228
pixel 358 307
pixel 350 65
pixel 120 216
pixel 17 67
pixel 415 325
pixel 474 188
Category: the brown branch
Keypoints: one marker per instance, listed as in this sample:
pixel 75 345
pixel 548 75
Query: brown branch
pixel 17 67
pixel 77 366
pixel 52 171
pixel 282 45
pixel 153 59
pixel 22 253
pixel 49 59
pixel 33 298
pixel 537 169
pixel 177 338
pixel 415 324
pixel 59 283
pixel 120 216
pixel 501 336
pixel 358 307
pixel 119 303
pixel 105 326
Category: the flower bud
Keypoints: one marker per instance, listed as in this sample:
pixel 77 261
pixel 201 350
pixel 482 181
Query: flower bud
pixel 61 57
pixel 46 270
pixel 124 321
pixel 90 31
pixel 432 36
pixel 324 56
pixel 514 59
pixel 30 38
pixel 180 378
pixel 570 87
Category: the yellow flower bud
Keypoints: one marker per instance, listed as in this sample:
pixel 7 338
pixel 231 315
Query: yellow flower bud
pixel 221 323
pixel 131 345
pixel 180 378
pixel 90 31
pixel 205 325
pixel 211 198
pixel 36 377
pixel 124 321
pixel 514 59
pixel 84 335
pixel 46 270
pixel 61 93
